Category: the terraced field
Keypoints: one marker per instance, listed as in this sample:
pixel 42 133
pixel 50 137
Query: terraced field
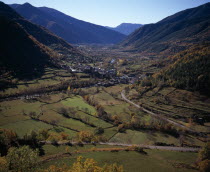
pixel 178 105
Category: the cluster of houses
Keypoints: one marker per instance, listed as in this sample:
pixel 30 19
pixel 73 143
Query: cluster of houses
pixel 109 74
pixel 93 71
pixel 114 81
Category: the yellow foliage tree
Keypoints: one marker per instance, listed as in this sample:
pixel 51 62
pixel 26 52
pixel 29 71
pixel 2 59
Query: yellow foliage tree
pixel 3 164
pixel 204 166
pixel 85 136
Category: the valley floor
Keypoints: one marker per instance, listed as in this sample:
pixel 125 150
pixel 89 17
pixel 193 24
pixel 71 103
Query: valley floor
pixel 119 117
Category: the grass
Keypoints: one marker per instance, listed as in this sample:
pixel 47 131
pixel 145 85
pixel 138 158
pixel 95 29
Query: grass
pixel 78 101
pixel 75 125
pixel 155 160
pixel 12 115
pixel 104 99
pixel 11 112
pixel 15 107
pixel 147 137
pixel 24 127
pixel 110 132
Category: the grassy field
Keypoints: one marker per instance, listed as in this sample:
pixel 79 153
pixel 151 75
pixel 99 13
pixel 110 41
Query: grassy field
pixel 15 115
pixel 155 160
pixel 78 101
pixel 24 127
pixel 144 137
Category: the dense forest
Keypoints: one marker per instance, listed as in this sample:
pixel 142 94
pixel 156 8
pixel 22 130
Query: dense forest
pixel 189 69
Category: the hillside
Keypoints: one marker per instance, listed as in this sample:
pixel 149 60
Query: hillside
pixel 26 48
pixel 189 70
pixel 40 33
pixel 21 53
pixel 70 29
pixel 126 28
pixel 172 34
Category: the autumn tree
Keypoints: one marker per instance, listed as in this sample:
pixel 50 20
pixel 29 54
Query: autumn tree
pixel 204 152
pixel 204 166
pixel 8 138
pixel 22 159
pixel 43 135
pixel 85 136
pixel 3 164
pixel 204 158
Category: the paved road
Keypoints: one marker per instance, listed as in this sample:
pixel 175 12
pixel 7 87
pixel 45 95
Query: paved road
pixel 154 114
pixel 171 148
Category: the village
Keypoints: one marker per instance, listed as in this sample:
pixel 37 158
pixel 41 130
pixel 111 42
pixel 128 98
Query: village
pixel 108 77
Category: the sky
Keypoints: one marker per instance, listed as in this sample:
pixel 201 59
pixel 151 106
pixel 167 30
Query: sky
pixel 114 12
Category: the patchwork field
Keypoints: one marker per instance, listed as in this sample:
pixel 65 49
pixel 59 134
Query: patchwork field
pixel 69 114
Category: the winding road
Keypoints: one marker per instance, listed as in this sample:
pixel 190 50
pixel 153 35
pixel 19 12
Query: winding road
pixel 154 114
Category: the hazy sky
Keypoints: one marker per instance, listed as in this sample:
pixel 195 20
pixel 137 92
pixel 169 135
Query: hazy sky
pixel 114 12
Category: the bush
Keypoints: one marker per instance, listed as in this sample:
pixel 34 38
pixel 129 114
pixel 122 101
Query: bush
pixel 99 130
pixel 140 150
pixel 146 83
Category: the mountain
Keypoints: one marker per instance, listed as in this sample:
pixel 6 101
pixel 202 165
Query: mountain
pixel 126 28
pixel 70 29
pixel 41 34
pixel 20 52
pixel 172 34
pixel 24 47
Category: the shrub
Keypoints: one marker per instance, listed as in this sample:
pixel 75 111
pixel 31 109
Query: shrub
pixel 99 130
pixel 140 150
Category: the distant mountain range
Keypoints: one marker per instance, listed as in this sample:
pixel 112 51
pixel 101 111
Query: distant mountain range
pixel 172 34
pixel 126 28
pixel 24 46
pixel 70 29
